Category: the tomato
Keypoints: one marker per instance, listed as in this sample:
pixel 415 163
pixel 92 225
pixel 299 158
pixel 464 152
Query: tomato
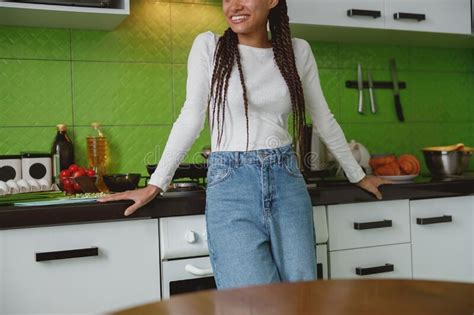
pixel 64 173
pixel 79 172
pixel 67 184
pixel 90 172
pixel 77 187
pixel 72 168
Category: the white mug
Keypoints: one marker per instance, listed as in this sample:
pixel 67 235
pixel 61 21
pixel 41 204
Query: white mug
pixel 34 185
pixel 14 189
pixel 44 184
pixel 24 186
pixel 4 190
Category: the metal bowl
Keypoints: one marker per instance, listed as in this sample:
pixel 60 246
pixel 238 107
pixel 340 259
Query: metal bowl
pixel 466 157
pixel 121 182
pixel 444 163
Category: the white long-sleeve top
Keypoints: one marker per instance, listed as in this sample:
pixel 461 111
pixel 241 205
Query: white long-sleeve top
pixel 268 110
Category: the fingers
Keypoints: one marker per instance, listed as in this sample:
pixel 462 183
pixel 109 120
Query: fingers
pixel 374 190
pixel 113 197
pixel 386 181
pixel 377 194
pixel 131 209
pixel 371 185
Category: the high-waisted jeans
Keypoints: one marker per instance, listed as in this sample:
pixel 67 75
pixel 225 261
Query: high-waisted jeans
pixel 259 218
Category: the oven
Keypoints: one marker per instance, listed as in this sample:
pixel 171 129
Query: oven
pixel 186 275
pixel 185 264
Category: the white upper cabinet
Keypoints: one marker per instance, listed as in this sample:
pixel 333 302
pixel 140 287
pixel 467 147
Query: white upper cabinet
pixel 63 16
pixel 439 16
pixel 435 16
pixel 363 13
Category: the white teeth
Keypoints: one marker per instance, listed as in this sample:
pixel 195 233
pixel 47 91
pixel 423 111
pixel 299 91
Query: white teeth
pixel 239 17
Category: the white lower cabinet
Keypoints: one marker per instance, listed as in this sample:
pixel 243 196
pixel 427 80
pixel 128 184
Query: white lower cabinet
pixel 370 240
pixel 390 261
pixel 443 238
pixel 368 224
pixel 115 265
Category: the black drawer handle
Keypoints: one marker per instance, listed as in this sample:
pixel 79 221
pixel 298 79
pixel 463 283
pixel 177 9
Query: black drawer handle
pixel 64 254
pixel 371 270
pixel 432 220
pixel 410 16
pixel 372 13
pixel 372 225
pixel 319 269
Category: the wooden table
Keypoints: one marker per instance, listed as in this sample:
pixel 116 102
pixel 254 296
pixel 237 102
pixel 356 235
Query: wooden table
pixel 368 296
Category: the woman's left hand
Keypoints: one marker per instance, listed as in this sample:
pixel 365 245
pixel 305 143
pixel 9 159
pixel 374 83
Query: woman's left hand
pixel 371 184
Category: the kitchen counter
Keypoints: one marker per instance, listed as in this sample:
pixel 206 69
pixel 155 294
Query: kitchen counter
pixel 328 192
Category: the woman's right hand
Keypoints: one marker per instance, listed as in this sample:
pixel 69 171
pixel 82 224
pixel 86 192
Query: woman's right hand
pixel 140 197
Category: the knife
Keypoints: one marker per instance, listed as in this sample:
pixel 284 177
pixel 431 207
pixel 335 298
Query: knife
pixel 360 86
pixel 371 92
pixel 396 91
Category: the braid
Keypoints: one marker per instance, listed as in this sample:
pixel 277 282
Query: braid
pixel 285 60
pixel 246 103
pixel 227 53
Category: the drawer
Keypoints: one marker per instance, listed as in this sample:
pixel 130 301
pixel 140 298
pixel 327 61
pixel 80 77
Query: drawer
pixel 183 236
pixel 113 256
pixel 368 224
pixel 371 262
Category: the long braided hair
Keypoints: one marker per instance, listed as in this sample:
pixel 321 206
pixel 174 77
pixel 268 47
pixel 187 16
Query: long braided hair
pixel 227 53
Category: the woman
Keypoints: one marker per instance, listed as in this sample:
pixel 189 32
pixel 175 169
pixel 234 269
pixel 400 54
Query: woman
pixel 258 211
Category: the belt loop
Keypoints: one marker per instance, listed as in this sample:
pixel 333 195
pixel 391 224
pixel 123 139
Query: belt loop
pixel 237 159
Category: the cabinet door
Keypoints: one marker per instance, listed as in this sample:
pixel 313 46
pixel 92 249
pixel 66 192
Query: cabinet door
pixel 116 266
pixel 390 261
pixel 320 224
pixel 442 238
pixel 441 16
pixel 330 12
pixel 368 224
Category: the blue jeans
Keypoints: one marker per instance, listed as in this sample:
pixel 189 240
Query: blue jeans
pixel 259 218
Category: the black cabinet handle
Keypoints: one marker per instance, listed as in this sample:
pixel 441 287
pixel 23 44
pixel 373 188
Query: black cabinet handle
pixel 410 16
pixel 432 220
pixel 64 254
pixel 371 270
pixel 372 225
pixel 319 270
pixel 372 13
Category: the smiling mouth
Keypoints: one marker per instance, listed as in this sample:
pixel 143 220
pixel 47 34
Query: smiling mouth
pixel 239 18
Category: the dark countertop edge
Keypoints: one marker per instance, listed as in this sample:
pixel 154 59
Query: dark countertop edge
pixel 24 217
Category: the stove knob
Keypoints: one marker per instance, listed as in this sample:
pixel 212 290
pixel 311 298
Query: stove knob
pixel 190 237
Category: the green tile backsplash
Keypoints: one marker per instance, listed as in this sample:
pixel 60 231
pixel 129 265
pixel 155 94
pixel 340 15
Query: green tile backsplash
pixel 133 81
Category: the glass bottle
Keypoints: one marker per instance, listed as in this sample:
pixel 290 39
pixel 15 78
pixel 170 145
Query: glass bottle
pixel 62 151
pixel 98 155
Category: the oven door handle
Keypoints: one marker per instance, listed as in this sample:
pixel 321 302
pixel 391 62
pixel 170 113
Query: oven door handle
pixel 198 271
